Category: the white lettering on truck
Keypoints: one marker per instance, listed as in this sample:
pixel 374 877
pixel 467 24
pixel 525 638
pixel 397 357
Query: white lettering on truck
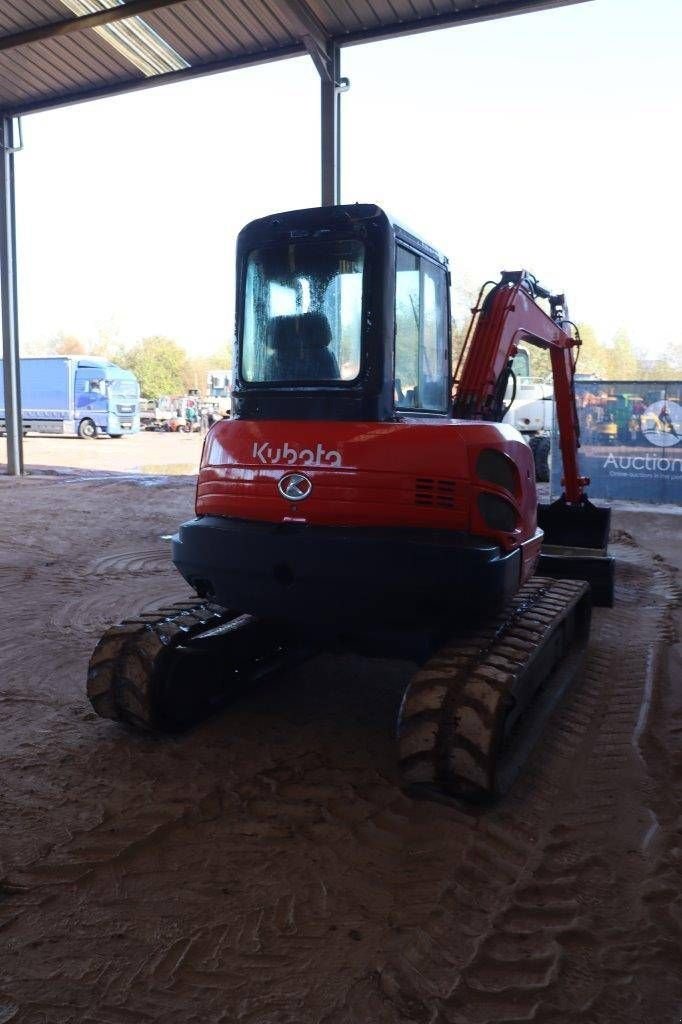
pixel 268 455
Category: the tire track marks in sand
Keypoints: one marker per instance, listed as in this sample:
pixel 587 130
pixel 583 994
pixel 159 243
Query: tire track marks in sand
pixel 540 924
pixel 265 869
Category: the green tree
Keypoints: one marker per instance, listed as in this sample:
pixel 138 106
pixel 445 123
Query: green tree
pixel 159 364
pixel 60 344
pixel 622 361
pixel 592 356
pixel 463 298
pixel 540 362
pixel 68 345
pixel 107 341
pixel 667 367
pixel 197 368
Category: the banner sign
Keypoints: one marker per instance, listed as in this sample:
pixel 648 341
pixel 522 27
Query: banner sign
pixel 631 440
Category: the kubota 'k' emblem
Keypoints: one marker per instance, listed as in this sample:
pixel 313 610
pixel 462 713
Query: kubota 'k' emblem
pixel 294 487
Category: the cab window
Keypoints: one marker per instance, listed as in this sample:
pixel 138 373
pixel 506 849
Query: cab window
pixel 421 337
pixel 521 363
pixel 303 312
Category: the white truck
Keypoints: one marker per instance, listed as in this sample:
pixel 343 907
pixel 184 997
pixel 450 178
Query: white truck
pixel 218 390
pixel 532 412
pixel 156 415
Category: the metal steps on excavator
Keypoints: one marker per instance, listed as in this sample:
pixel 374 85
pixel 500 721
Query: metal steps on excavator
pixel 471 715
pixel 171 668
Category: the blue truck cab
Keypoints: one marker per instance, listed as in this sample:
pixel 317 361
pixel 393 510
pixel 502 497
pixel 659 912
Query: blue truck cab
pixel 77 395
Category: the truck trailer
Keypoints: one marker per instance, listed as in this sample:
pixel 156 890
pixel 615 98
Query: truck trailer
pixel 77 395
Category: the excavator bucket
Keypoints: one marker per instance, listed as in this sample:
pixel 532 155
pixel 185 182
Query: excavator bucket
pixel 575 546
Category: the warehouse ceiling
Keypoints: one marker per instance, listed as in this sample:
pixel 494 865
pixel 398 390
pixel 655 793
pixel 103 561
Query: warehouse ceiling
pixel 54 52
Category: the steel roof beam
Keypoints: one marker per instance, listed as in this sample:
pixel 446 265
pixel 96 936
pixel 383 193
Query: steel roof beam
pixel 310 30
pixel 131 85
pixel 482 12
pixel 486 11
pixel 61 28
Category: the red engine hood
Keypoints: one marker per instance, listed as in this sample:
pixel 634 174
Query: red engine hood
pixel 416 473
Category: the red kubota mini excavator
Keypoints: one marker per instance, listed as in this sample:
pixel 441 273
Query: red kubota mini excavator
pixel 351 499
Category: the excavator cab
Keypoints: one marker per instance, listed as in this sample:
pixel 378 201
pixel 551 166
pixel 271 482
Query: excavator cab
pixel 322 294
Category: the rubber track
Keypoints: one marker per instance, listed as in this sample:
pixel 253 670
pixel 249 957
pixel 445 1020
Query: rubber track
pixel 125 664
pixel 456 710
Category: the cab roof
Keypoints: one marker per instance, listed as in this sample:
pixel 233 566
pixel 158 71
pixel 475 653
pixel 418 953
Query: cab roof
pixel 317 220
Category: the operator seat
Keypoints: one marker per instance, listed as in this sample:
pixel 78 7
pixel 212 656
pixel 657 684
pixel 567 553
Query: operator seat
pixel 298 348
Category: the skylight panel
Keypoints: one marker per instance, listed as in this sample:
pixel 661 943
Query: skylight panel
pixel 133 38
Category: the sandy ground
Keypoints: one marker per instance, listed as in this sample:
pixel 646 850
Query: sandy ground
pixel 146 452
pixel 267 869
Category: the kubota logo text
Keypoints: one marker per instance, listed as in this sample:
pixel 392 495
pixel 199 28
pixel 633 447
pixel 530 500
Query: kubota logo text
pixel 268 455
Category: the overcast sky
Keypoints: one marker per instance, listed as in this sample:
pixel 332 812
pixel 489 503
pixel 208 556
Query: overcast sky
pixel 549 141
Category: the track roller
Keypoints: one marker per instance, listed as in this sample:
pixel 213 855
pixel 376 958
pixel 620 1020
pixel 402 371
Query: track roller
pixel 472 713
pixel 168 669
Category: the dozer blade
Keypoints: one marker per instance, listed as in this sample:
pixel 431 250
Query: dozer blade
pixel 473 712
pixel 575 546
pixel 169 669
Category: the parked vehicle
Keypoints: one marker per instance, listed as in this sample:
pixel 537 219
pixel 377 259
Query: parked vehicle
pixel 158 414
pixel 147 414
pixel 218 393
pixel 173 414
pixel 187 415
pixel 531 411
pixel 81 395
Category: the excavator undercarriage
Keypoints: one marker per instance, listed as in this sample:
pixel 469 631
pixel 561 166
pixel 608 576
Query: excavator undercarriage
pixel 464 727
pixel 169 669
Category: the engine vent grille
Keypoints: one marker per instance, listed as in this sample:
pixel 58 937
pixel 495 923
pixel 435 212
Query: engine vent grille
pixel 430 493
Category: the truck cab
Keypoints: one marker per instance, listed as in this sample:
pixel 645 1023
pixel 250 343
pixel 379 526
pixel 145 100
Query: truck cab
pixel 106 398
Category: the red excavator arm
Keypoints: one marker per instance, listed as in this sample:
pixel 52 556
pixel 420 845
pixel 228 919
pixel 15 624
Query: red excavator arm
pixel 509 314
pixel 575 531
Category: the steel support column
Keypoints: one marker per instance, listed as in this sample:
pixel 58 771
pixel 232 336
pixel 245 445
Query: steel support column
pixel 8 301
pixel 326 56
pixel 330 127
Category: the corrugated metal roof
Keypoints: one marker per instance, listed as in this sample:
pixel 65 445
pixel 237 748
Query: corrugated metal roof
pixel 51 53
